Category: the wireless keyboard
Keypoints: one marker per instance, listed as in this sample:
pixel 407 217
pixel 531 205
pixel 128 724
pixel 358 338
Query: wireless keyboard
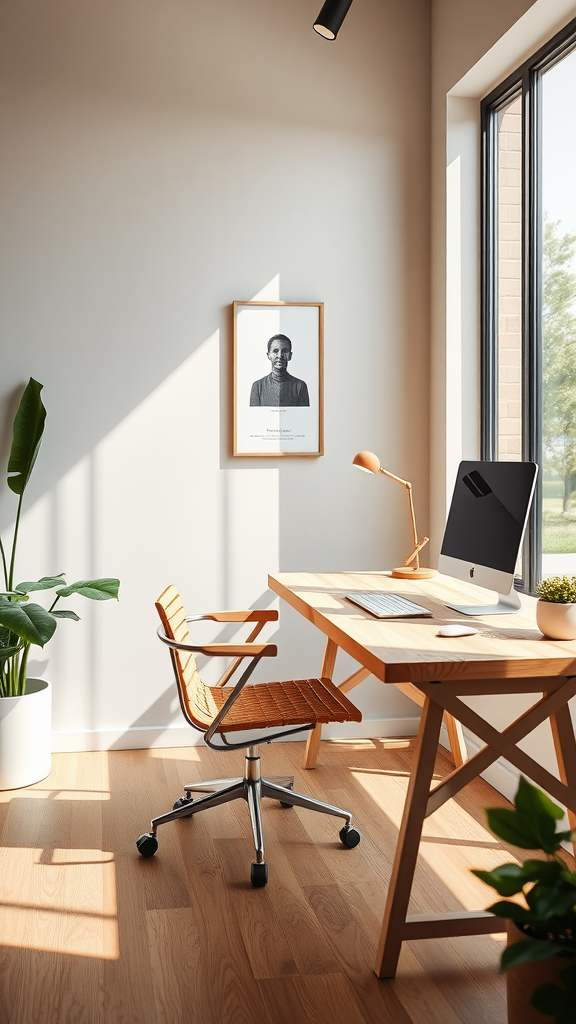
pixel 388 606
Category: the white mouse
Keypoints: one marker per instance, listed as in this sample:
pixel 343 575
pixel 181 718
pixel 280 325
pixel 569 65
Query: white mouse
pixel 457 629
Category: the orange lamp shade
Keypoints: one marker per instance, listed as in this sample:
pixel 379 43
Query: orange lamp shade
pixel 367 461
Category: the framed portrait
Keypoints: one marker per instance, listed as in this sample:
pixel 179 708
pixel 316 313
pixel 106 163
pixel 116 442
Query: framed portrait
pixel 278 385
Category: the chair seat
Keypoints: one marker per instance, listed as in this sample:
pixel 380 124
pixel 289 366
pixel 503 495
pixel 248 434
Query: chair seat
pixel 294 702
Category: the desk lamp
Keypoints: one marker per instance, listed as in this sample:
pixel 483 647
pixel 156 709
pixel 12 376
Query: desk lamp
pixel 370 463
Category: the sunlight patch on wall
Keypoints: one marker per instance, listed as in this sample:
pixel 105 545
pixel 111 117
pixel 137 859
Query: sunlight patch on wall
pixel 157 501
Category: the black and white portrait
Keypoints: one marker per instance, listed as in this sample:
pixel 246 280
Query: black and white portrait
pixel 278 378
pixel 279 387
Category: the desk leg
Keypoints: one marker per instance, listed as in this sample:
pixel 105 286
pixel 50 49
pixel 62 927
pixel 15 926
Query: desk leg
pixel 313 741
pixel 565 747
pixel 457 741
pixel 393 925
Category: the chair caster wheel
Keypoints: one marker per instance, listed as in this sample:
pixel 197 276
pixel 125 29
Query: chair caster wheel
pixel 147 844
pixel 258 875
pixel 350 836
pixel 182 802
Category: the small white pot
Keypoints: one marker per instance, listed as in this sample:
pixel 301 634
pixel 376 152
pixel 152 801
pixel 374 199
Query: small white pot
pixel 557 621
pixel 26 736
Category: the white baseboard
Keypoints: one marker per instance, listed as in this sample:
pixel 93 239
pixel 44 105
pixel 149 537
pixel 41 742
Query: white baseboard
pixel 145 737
pixel 502 776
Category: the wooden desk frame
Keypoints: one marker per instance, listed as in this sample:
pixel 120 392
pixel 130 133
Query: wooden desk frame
pixel 441 698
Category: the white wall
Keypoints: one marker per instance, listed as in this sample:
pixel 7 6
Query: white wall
pixel 158 161
pixel 474 47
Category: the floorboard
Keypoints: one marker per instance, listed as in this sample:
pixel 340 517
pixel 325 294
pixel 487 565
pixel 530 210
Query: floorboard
pixel 91 933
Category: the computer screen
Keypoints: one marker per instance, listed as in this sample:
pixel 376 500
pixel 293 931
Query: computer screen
pixel 488 512
pixel 486 522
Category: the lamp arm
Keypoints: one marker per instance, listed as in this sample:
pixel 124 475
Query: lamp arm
pixel 412 516
pixel 398 479
pixel 417 545
pixel 416 551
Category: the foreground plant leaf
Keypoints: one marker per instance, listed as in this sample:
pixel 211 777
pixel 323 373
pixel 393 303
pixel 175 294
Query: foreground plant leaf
pixel 508 879
pixel 513 828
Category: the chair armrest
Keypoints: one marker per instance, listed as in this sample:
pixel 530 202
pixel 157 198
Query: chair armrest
pixel 221 650
pixel 251 615
pixel 240 650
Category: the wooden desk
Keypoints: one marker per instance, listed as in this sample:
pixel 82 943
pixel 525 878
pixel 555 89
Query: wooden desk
pixel 508 655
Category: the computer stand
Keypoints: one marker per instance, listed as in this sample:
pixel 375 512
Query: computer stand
pixel 508 604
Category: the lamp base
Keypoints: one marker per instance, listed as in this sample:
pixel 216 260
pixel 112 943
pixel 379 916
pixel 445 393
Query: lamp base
pixel 405 572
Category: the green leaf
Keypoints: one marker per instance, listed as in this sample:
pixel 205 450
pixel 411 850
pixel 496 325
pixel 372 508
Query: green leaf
pixel 65 613
pixel 513 828
pixel 529 951
pixel 530 800
pixel 27 435
pixel 504 908
pixel 46 583
pixel 549 872
pixel 97 590
pixel 508 879
pixel 31 622
pixel 551 901
pixel 12 594
pixel 8 652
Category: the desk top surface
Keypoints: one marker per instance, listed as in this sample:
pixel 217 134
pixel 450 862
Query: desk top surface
pixel 408 650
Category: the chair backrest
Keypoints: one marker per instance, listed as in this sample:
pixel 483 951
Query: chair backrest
pixel 197 702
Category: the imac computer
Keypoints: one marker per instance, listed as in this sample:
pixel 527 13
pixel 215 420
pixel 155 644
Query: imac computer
pixel 485 527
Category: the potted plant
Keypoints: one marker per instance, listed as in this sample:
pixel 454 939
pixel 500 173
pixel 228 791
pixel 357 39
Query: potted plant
pixel 540 957
pixel 25 703
pixel 556 609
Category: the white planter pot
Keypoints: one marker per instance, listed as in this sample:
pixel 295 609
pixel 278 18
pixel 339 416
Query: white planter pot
pixel 26 736
pixel 557 621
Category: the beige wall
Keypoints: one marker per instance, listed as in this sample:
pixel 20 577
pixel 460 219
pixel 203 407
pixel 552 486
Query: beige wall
pixel 159 159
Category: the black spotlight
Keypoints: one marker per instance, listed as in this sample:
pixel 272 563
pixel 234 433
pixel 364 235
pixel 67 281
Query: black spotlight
pixel 331 16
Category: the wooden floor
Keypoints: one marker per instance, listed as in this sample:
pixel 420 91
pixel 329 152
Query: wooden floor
pixel 91 933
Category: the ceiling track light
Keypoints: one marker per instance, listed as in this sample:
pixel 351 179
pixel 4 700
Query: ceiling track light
pixel 329 21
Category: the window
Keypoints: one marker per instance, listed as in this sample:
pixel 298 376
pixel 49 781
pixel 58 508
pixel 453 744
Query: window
pixel 529 293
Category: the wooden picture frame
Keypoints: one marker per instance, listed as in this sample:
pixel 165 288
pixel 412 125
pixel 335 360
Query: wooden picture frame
pixel 278 388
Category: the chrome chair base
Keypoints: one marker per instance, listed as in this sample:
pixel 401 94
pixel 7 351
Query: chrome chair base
pixel 252 788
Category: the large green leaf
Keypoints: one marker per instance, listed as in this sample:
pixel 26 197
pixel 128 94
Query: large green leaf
pixel 530 800
pixel 46 583
pixel 31 622
pixel 97 590
pixel 28 430
pixel 508 879
pixel 509 910
pixel 513 828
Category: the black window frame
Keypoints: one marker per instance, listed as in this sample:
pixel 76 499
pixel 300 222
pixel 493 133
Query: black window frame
pixel 524 81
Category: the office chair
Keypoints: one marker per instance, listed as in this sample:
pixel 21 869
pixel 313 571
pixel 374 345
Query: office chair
pixel 220 710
